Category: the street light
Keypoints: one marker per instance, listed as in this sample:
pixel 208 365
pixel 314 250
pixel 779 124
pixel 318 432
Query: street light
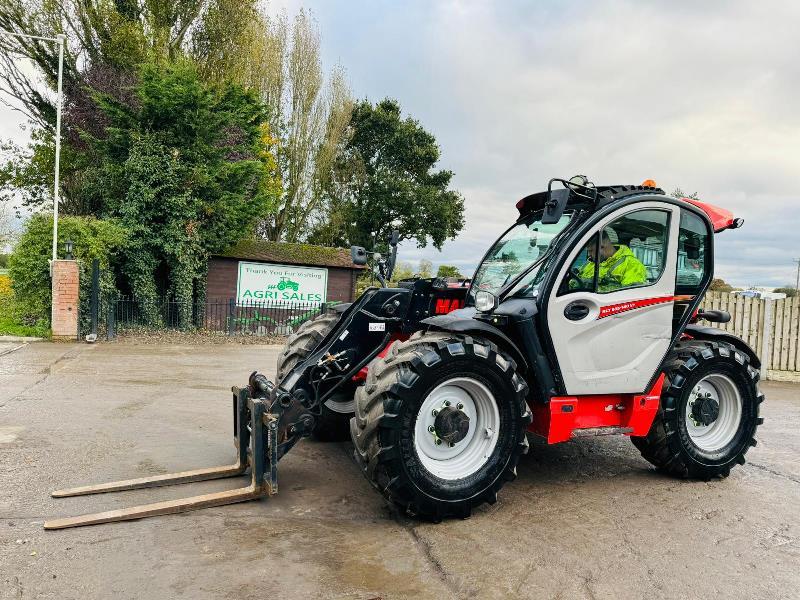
pixel 60 39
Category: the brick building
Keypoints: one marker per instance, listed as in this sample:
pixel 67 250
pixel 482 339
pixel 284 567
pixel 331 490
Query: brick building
pixel 258 269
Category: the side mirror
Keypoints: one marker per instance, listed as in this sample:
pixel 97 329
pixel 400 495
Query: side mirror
pixel 359 255
pixel 555 205
pixel 395 238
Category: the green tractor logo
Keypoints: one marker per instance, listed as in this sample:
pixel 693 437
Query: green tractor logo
pixel 286 283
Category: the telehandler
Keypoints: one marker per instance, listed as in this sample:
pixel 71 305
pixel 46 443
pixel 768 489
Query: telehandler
pixel 580 320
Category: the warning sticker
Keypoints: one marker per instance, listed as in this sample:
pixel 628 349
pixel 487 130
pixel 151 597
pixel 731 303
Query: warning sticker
pixel 377 326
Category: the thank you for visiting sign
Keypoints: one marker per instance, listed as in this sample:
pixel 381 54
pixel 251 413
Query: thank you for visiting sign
pixel 280 284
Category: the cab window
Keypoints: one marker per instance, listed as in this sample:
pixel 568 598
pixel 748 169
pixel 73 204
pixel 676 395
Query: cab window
pixel 630 252
pixel 692 255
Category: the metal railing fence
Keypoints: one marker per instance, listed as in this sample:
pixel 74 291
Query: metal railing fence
pixel 225 316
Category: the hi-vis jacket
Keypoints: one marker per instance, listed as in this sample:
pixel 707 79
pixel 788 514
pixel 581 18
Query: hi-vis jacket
pixel 620 270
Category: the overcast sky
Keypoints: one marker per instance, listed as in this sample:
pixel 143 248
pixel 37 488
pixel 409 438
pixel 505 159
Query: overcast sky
pixel 700 95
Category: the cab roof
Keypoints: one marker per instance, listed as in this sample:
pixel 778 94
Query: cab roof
pixel 721 219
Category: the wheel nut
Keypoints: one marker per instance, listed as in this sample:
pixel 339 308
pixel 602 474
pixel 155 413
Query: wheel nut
pixel 459 406
pixel 438 442
pixel 435 412
pixel 447 402
pixel 452 444
pixel 431 428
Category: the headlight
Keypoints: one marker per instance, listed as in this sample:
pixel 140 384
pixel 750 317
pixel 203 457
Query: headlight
pixel 485 301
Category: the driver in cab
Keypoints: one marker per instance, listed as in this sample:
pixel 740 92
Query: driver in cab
pixel 619 267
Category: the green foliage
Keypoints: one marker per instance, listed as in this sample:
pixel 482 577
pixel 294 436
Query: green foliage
pixel 184 170
pixel 719 285
pixel 789 291
pixel 14 317
pixel 284 252
pixel 679 193
pixel 121 34
pixel 4 261
pixel 384 179
pixel 446 271
pixel 402 270
pixel 29 268
pixel 106 45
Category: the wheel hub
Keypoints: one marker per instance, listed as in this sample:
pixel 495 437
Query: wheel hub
pixel 451 425
pixel 705 410
pixel 714 412
pixel 457 428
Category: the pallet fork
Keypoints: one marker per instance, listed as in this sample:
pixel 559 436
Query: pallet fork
pixel 256 439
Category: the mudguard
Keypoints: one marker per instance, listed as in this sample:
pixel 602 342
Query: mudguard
pixel 462 321
pixel 711 334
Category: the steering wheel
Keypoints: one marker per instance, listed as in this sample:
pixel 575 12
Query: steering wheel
pixel 572 275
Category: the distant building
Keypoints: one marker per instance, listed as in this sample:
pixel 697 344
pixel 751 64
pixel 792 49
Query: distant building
pixel 760 292
pixel 278 273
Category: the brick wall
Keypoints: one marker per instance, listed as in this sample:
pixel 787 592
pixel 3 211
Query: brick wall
pixel 223 272
pixel 65 299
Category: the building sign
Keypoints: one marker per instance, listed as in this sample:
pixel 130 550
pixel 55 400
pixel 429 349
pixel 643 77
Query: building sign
pixel 280 284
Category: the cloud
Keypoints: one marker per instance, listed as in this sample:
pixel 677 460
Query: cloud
pixel 697 95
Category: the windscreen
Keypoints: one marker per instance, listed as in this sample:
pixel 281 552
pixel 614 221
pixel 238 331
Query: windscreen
pixel 519 248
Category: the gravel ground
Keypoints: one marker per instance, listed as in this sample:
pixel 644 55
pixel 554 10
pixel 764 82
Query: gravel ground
pixel 584 519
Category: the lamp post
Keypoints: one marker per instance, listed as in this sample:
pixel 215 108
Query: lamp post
pixel 60 39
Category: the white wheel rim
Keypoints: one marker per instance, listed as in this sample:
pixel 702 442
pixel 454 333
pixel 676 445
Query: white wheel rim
pixel 467 456
pixel 341 406
pixel 715 436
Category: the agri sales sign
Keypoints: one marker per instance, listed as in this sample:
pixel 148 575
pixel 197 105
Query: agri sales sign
pixel 280 284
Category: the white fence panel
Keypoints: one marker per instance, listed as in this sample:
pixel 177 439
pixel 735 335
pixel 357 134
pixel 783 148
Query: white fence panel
pixel 770 327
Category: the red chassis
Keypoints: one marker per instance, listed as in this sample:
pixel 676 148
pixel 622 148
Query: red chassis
pixel 565 417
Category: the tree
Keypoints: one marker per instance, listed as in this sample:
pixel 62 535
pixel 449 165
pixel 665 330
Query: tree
pixel 446 271
pixel 402 270
pixel 29 268
pixel 719 285
pixel 384 178
pixel 307 117
pixel 185 170
pixel 425 268
pixel 679 193
pixel 8 231
pixel 789 291
pixel 106 43
pixel 122 34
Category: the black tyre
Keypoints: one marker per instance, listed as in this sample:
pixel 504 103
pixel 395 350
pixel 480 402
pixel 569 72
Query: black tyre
pixel 334 421
pixel 709 412
pixel 459 390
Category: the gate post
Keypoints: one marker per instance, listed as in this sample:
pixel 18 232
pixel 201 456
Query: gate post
pixel 95 299
pixel 65 296
pixel 766 338
pixel 111 319
pixel 231 315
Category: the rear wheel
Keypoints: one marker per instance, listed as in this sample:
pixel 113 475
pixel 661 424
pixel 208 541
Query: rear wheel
pixel 440 424
pixel 708 415
pixel 332 425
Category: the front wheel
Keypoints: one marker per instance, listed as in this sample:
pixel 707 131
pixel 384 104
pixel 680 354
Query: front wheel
pixel 440 424
pixel 709 412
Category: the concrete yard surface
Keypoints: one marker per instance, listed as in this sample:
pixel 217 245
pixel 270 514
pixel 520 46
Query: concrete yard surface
pixel 584 519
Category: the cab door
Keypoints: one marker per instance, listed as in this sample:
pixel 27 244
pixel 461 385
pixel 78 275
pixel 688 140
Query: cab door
pixel 611 326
